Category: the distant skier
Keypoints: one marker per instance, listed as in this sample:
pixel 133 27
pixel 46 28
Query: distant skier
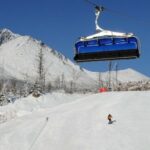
pixel 110 119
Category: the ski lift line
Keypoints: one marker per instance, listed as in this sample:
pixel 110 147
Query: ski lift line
pixel 125 15
pixel 92 3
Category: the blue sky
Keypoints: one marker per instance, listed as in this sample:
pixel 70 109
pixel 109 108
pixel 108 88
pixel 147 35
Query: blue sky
pixel 59 23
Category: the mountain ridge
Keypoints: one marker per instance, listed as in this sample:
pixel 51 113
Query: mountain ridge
pixel 22 63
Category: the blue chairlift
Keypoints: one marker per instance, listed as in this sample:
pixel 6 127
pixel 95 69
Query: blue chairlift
pixel 106 45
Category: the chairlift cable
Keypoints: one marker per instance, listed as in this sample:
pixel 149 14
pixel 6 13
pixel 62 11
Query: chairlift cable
pixel 119 13
pixel 92 3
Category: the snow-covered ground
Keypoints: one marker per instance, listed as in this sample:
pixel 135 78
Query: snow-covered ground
pixel 81 124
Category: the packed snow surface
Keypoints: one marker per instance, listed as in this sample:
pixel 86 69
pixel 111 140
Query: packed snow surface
pixel 81 124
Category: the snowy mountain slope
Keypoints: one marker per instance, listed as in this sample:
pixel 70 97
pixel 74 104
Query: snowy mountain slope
pixel 4 74
pixel 83 125
pixel 126 75
pixel 129 74
pixel 19 58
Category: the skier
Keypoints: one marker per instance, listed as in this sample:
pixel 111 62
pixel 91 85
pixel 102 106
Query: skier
pixel 110 119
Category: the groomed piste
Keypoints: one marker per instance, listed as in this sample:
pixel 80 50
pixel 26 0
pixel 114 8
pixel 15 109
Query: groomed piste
pixel 83 124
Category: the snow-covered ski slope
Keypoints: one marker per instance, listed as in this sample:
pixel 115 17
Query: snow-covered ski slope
pixel 83 125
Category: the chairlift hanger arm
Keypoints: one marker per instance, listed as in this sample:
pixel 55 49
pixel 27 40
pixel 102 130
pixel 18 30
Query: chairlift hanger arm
pixel 98 10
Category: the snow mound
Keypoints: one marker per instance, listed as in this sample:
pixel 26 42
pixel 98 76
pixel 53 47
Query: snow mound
pixel 30 104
